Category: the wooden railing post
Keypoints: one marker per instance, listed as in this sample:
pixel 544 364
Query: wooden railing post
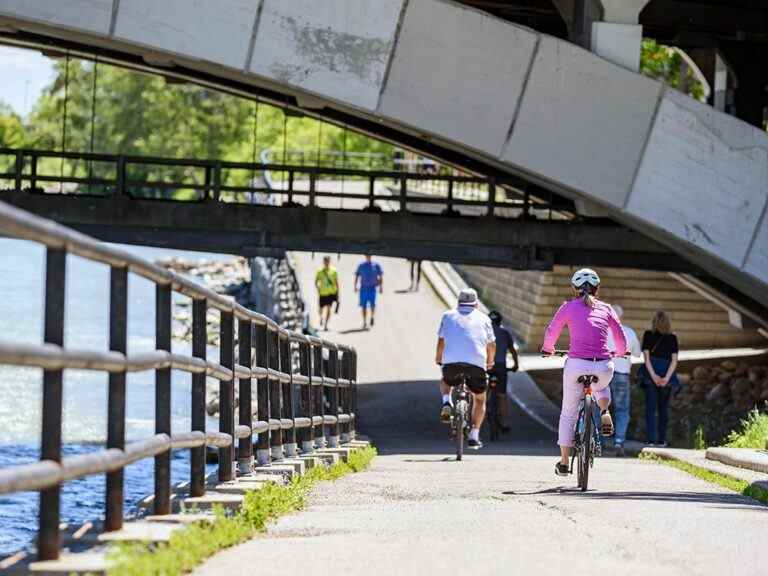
pixel 19 170
pixel 118 342
pixel 162 504
pixel 245 446
pixel 275 394
pixel 289 412
pixel 50 447
pixel 263 456
pixel 120 176
pixel 199 350
pixel 307 435
pixel 353 396
pixel 227 396
pixel 344 393
pixel 319 394
pixel 333 369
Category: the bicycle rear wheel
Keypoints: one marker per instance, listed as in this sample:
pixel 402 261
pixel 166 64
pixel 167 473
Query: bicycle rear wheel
pixel 459 422
pixel 585 455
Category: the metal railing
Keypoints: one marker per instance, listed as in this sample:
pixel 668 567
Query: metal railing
pixel 290 406
pixel 236 182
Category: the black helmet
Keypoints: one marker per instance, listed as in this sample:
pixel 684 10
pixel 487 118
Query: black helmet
pixel 495 317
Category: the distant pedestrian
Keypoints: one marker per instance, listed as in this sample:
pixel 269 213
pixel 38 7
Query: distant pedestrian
pixel 657 376
pixel 505 343
pixel 620 382
pixel 415 274
pixel 368 277
pixel 327 284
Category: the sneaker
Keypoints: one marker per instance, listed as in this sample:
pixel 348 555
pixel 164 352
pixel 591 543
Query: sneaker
pixel 474 444
pixel 619 448
pixel 606 424
pixel 661 444
pixel 561 469
pixel 445 413
pixel 372 320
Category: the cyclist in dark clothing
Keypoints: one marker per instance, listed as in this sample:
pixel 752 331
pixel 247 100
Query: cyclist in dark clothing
pixel 504 343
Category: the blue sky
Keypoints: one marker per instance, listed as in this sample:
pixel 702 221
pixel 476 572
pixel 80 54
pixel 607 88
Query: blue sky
pixel 24 74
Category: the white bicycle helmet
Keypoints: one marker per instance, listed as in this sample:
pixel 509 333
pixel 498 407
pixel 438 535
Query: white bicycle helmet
pixel 585 276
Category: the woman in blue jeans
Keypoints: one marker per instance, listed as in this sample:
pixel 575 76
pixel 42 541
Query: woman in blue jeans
pixel 657 376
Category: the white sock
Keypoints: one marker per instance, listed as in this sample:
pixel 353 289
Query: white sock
pixel 474 434
pixel 446 398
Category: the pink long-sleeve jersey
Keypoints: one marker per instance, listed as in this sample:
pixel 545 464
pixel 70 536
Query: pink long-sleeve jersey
pixel 588 330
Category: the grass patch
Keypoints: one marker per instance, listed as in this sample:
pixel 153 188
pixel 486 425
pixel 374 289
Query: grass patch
pixel 741 486
pixel 753 433
pixel 190 546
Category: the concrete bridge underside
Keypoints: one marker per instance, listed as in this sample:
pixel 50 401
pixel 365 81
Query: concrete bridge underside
pixel 479 88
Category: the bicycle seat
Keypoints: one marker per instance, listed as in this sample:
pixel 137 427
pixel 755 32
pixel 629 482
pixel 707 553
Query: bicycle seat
pixel 588 379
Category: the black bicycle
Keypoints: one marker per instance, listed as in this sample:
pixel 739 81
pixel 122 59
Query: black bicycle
pixel 492 410
pixel 586 441
pixel 461 415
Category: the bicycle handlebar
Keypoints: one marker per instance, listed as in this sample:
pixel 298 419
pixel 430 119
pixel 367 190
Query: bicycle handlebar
pixel 563 353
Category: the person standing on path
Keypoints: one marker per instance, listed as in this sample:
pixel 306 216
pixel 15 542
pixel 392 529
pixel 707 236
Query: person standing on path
pixel 504 343
pixel 657 376
pixel 415 274
pixel 368 277
pixel 620 382
pixel 327 284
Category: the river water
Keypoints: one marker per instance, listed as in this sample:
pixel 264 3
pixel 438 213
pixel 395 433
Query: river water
pixel 85 393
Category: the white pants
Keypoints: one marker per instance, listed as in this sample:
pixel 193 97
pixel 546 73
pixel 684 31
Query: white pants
pixel 573 392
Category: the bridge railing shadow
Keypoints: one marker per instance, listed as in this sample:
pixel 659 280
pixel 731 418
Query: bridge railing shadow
pixel 403 418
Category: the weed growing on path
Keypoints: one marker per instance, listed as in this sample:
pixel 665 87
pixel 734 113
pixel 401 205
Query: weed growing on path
pixel 741 486
pixel 190 546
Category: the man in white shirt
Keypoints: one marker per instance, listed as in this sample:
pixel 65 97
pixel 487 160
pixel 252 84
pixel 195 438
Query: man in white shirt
pixel 620 383
pixel 466 345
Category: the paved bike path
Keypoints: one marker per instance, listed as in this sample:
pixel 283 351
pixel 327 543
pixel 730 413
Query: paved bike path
pixel 501 510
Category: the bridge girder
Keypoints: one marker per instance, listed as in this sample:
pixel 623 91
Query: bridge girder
pixel 260 230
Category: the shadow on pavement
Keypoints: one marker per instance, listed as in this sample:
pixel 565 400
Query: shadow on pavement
pixel 353 330
pixel 734 501
pixel 403 418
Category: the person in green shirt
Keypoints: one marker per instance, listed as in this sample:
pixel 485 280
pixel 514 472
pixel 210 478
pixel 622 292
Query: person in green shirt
pixel 327 284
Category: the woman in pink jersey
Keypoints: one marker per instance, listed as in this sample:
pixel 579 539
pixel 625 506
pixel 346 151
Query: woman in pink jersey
pixel 588 320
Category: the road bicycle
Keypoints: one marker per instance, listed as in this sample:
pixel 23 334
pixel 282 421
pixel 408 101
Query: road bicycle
pixel 586 442
pixel 492 411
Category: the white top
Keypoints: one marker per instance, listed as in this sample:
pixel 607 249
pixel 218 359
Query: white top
pixel 623 365
pixel 466 332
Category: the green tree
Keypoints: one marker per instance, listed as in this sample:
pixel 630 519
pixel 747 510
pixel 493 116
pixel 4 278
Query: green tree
pixel 667 65
pixel 112 110
pixel 12 135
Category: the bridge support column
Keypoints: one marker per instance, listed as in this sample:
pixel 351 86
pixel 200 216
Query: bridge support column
pixel 618 36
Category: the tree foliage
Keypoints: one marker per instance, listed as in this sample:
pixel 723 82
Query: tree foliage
pixel 667 65
pixel 107 109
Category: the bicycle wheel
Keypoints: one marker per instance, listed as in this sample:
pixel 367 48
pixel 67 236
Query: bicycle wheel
pixel 586 443
pixel 460 420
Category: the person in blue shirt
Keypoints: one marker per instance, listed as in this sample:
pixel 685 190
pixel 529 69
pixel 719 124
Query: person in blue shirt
pixel 368 277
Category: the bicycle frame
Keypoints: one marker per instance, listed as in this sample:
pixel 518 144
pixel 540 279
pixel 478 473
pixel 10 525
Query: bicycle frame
pixel 462 414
